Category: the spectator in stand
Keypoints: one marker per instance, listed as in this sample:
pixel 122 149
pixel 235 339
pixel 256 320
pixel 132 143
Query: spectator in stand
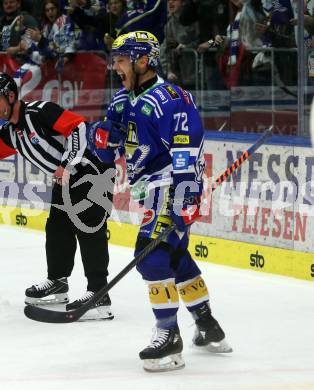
pixel 13 25
pixel 116 10
pixel 178 66
pixel 56 39
pixel 144 15
pixel 212 17
pixel 101 24
pixel 308 8
pixel 308 35
pixel 241 37
pixel 308 16
pixel 88 17
pixel 278 32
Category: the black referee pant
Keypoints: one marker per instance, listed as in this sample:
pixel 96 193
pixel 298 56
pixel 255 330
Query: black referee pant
pixel 62 234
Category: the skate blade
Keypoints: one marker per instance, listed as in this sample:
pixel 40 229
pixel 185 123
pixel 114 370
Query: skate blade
pixel 98 314
pixel 215 347
pixel 219 347
pixel 168 363
pixel 54 299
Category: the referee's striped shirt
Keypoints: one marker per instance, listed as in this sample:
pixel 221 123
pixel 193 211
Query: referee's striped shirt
pixel 46 135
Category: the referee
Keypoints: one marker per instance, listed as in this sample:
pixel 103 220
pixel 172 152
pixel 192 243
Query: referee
pixel 54 140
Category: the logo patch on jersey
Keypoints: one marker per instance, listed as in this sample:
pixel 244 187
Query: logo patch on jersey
pixel 172 92
pixel 161 224
pixel 161 95
pixel 33 138
pixel 131 143
pixel 19 132
pixel 149 216
pixel 147 109
pixel 119 107
pixel 101 138
pixel 181 139
pixel 185 96
pixel 139 191
pixel 180 160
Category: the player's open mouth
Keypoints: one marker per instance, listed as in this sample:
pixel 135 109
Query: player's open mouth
pixel 122 76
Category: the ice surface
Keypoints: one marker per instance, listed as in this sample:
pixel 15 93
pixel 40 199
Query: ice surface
pixel 268 320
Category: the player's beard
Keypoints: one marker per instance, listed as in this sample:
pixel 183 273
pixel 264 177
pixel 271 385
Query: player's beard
pixel 130 81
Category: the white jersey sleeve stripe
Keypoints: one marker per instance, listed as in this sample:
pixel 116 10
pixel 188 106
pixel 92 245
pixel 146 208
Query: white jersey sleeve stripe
pixel 32 103
pixel 41 105
pixel 156 103
pixel 36 154
pixel 45 145
pixel 76 145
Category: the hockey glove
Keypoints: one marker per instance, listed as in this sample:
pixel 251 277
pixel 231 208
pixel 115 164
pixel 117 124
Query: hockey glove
pixel 185 211
pixel 103 139
pixel 106 134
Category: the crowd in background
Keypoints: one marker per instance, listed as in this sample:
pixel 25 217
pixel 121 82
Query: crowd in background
pixel 231 37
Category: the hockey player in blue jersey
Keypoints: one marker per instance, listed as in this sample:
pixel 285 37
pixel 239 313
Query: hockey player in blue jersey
pixel 164 157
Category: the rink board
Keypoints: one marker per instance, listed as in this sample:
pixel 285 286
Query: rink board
pixel 256 257
pixel 262 219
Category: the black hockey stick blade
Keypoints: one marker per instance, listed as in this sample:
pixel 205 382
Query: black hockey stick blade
pixel 40 314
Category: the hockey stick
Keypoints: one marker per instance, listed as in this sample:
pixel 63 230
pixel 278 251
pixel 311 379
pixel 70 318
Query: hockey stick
pixel 45 315
pixel 244 156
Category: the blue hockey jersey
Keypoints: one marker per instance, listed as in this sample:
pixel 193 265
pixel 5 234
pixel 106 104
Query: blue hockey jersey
pixel 164 145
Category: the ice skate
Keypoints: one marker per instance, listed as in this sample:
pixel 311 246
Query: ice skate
pixel 208 333
pixel 100 311
pixel 164 352
pixel 48 292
